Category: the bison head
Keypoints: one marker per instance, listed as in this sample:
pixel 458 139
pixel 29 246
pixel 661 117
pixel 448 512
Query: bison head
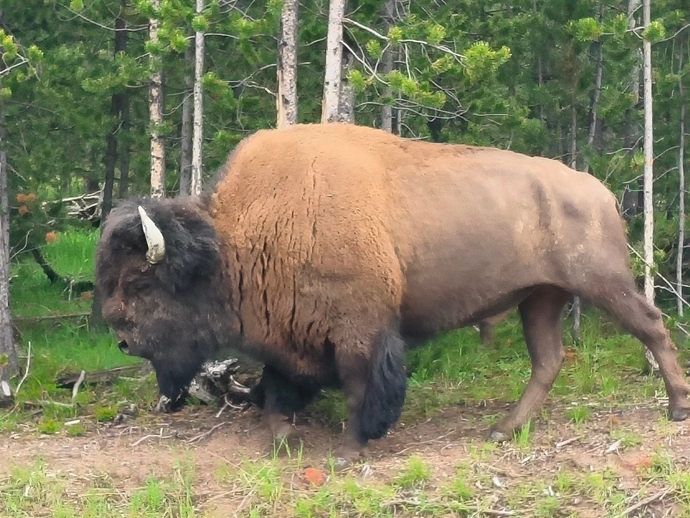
pixel 163 289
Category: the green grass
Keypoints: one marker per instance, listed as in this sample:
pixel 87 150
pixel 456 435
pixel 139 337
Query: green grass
pixel 35 492
pixel 274 487
pixel 57 347
pixel 72 255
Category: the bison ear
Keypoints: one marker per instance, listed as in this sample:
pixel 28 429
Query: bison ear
pixel 191 245
pixel 154 238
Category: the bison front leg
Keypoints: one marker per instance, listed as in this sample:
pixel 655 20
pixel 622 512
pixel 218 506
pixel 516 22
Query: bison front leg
pixel 541 321
pixel 280 398
pixel 375 388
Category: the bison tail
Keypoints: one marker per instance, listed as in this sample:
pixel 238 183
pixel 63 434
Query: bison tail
pixel 386 386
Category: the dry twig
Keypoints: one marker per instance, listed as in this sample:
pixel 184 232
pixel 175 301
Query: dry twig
pixel 152 436
pixel 26 372
pixel 207 433
pixel 657 496
pixel 80 380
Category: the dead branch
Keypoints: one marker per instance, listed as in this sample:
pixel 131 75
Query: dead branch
pixel 657 496
pixel 26 371
pixel 75 389
pixel 560 445
pixel 47 402
pixel 35 320
pixel 207 433
pixel 153 436
pixel 102 376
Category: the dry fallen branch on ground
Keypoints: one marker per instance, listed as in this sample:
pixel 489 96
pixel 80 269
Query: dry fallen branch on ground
pixel 657 496
pixel 153 436
pixel 207 433
pixel 102 376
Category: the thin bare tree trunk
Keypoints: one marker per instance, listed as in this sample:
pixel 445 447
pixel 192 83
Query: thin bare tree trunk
pixel 648 171
pixel 198 137
pixel 388 66
pixel 681 187
pixel 156 114
pixel 9 364
pixel 187 122
pixel 334 55
pixel 648 161
pixel 596 94
pixel 8 351
pixel 632 130
pixel 634 85
pixel 286 101
pixel 110 158
pixel 124 116
pixel 577 304
pixel 117 107
pixel 573 135
pixel 124 147
pixel 346 105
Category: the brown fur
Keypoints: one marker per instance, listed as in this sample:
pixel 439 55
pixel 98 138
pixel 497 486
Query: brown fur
pixel 336 238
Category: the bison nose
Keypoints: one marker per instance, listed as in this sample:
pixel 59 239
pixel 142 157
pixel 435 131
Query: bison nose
pixel 124 347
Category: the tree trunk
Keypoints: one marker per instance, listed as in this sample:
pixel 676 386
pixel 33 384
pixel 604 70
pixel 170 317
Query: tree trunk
pixel 596 95
pixel 631 130
pixel 634 85
pixel 8 351
pixel 573 135
pixel 334 55
pixel 388 67
pixel 346 105
pixel 119 103
pixel 286 101
pixel 577 305
pixel 648 162
pixel 187 122
pixel 198 137
pixel 110 158
pixel 681 187
pixel 156 114
pixel 124 146
pixel 648 171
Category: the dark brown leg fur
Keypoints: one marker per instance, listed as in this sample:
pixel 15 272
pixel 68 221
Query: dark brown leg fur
pixel 644 322
pixel 541 321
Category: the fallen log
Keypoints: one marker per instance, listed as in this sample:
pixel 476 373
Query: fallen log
pixel 36 320
pixel 103 376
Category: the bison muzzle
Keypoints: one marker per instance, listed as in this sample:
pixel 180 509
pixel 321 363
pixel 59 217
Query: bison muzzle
pixel 322 246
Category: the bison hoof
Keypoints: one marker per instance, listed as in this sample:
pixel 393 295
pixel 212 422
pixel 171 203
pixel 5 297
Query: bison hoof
pixel 679 414
pixel 340 464
pixel 280 428
pixel 345 457
pixel 498 436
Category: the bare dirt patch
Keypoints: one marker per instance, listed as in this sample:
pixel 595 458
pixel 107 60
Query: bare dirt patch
pixel 625 449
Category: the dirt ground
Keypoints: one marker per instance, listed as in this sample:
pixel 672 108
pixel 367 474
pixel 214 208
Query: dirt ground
pixel 130 452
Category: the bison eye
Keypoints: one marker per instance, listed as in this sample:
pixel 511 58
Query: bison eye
pixel 124 347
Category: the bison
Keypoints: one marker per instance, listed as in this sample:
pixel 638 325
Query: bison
pixel 321 249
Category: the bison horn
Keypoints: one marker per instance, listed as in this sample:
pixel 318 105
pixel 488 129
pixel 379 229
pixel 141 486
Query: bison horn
pixel 154 238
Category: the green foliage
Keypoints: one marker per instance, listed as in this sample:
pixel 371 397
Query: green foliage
pixel 655 32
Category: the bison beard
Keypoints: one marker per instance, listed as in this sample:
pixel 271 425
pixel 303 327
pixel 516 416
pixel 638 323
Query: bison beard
pixel 320 246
